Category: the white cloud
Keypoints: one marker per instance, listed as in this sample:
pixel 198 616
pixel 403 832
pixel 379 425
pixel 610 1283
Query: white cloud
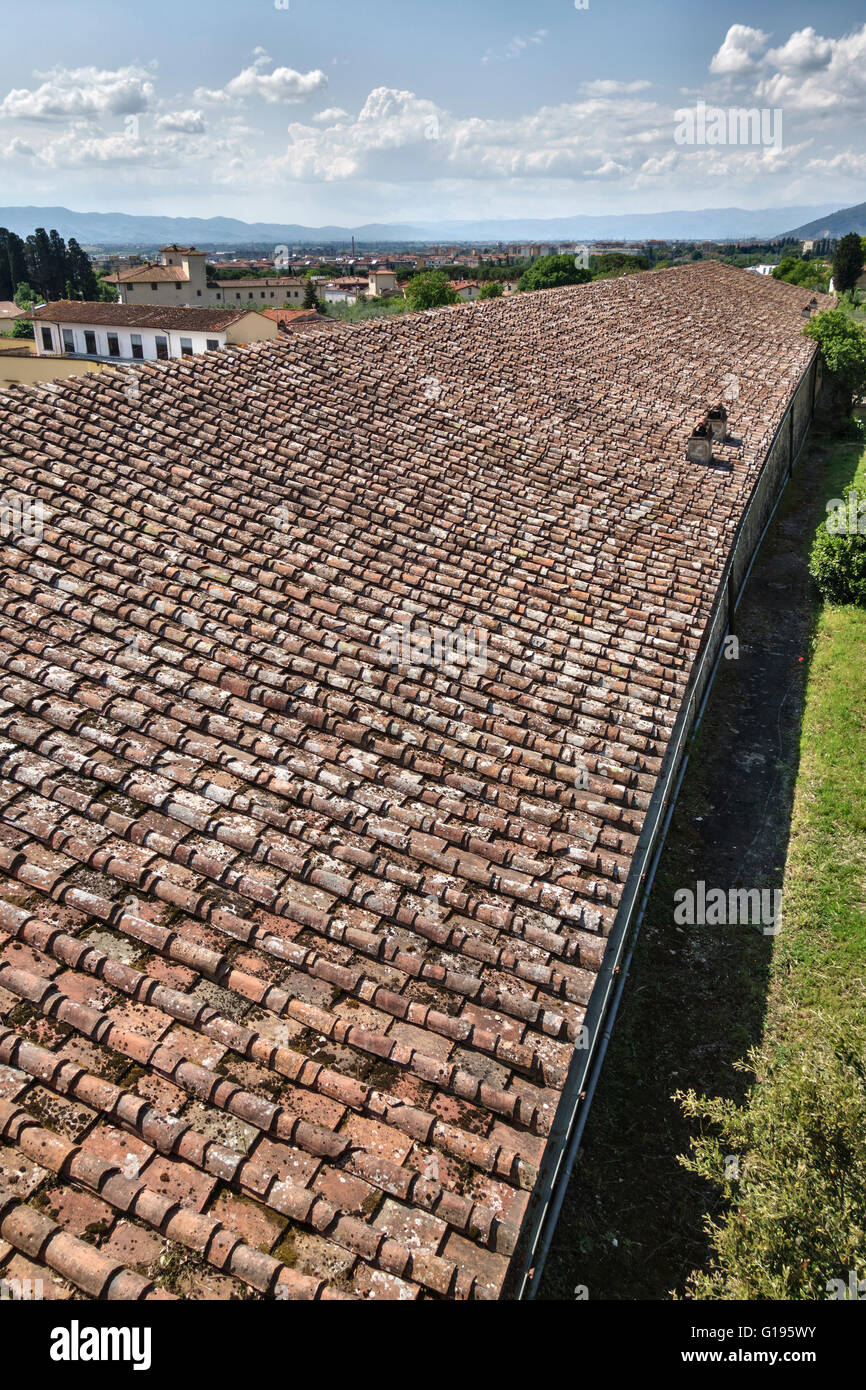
pixel 606 87
pixel 804 52
pixel 332 115
pixel 81 92
pixel 185 122
pixel 283 86
pixel 399 135
pixel 739 52
pixel 516 47
pixel 817 74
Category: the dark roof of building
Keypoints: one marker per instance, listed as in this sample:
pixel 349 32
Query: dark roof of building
pixel 137 315
pixel 298 930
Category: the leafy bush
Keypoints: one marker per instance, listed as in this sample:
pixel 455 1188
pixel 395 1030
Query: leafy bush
pixel 491 290
pixel 550 271
pixel 430 290
pixel 21 328
pixel 791 1165
pixel 837 561
pixel 843 348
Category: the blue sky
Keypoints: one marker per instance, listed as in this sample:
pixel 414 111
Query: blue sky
pixel 393 110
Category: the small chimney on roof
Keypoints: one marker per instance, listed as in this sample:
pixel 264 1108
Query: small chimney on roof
pixel 810 308
pixel 717 419
pixel 700 446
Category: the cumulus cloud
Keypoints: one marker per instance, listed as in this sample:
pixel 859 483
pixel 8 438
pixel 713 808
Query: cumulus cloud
pixel 398 134
pixel 81 92
pixel 740 51
pixel 817 74
pixel 332 115
pixel 184 122
pixel 282 86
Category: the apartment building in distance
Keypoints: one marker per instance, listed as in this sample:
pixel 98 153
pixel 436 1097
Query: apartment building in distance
pixel 124 332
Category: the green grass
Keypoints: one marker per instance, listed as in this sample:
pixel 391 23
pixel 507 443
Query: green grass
pixel 795 1206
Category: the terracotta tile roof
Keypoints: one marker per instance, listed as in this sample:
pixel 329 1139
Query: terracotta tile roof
pixel 297 934
pixel 137 315
pixel 298 318
pixel 172 274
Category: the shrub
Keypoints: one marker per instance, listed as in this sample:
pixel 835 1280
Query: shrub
pixel 837 561
pixel 549 272
pixel 430 290
pixel 791 1165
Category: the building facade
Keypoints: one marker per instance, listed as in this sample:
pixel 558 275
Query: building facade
pixel 122 333
pixel 180 280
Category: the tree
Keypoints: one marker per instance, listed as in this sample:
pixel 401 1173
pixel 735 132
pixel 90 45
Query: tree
pixel 810 275
pixel 430 290
pixel 847 263
pixel 843 348
pixel 24 296
pixel 7 289
pixel 491 290
pixel 17 259
pixel 22 328
pixel 311 299
pixel 81 272
pixel 550 271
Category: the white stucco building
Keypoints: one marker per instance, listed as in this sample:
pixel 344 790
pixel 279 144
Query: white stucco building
pixel 124 333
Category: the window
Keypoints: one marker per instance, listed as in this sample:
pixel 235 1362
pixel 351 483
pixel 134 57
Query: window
pixel 263 294
pixel 198 292
pixel 137 349
pixel 272 294
pixel 162 347
pixel 68 340
pixel 47 340
pixel 237 296
pixel 90 342
pixel 177 285
pixel 153 287
pixel 212 344
pixel 186 347
pixel 113 345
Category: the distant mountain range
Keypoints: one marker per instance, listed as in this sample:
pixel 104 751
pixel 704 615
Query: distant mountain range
pixel 119 229
pixel 838 224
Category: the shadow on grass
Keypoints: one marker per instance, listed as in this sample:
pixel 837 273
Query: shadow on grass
pixel 632 1222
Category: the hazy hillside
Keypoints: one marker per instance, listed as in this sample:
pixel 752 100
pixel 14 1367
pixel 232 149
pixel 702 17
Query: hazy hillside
pixel 124 229
pixel 836 224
